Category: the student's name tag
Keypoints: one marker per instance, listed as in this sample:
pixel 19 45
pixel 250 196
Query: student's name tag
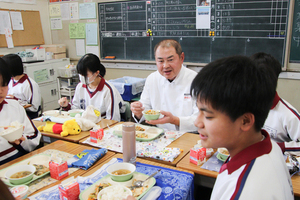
pixel 187 97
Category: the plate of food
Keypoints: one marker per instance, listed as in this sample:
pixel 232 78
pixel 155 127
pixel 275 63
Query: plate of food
pixel 143 133
pixel 39 161
pixel 222 154
pixel 91 192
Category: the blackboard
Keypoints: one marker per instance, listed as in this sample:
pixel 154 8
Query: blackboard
pixel 295 39
pixel 236 27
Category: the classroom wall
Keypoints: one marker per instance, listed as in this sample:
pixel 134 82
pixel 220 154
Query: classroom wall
pixel 289 89
pixel 42 6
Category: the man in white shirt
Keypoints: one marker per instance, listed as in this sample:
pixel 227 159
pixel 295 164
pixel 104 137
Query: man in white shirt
pixel 168 90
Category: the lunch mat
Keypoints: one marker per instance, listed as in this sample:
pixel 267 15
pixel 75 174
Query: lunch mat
pixel 175 184
pixel 143 149
pixel 47 180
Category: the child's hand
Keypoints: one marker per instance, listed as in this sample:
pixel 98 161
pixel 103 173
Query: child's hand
pixel 18 141
pixel 63 102
pixel 130 198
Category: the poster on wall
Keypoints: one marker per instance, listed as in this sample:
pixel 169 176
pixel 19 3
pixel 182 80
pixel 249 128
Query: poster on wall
pixel 203 14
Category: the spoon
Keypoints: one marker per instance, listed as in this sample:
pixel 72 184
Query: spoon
pixel 140 183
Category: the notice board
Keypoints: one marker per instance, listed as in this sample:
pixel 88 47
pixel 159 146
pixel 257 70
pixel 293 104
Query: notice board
pixel 32 33
pixel 130 30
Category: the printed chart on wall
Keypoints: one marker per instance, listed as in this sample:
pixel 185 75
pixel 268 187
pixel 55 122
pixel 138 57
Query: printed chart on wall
pixel 206 29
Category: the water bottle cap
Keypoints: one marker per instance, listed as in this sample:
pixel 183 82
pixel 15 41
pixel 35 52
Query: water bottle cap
pixel 128 126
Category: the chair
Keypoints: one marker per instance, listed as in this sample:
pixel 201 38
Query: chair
pixel 126 116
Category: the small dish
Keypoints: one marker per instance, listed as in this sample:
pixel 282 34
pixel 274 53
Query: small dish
pixel 112 171
pixel 53 113
pixel 20 191
pixel 222 154
pixel 151 114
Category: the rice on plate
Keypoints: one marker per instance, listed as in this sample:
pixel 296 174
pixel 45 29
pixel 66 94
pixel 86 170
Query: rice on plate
pixel 115 192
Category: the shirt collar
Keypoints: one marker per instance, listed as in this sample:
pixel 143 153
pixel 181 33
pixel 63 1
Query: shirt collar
pixel 1 104
pixel 99 87
pixel 20 81
pixel 275 100
pixel 248 154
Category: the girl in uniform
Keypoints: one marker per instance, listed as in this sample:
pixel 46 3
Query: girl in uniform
pixel 95 90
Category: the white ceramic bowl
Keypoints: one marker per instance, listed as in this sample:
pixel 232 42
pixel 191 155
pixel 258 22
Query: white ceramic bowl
pixel 53 113
pixel 116 192
pixel 12 133
pixel 118 166
pixel 20 168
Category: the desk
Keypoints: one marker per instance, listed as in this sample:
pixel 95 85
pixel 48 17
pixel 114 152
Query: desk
pixel 185 142
pixel 60 145
pixel 207 178
pixel 51 137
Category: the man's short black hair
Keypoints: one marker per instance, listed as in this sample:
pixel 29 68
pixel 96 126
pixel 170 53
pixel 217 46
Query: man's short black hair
pixel 4 73
pixel 15 64
pixel 235 86
pixel 90 62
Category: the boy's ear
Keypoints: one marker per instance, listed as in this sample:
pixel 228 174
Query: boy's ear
pixel 248 121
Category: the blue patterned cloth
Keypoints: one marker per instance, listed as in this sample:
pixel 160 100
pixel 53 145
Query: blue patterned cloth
pixel 213 163
pixel 175 184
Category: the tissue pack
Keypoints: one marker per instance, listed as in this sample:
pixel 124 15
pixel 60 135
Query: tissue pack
pixel 96 135
pixel 69 190
pixel 58 170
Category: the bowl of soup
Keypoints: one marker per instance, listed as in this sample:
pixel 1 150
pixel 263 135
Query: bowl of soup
pixel 74 112
pixel 121 172
pixel 151 114
pixel 20 174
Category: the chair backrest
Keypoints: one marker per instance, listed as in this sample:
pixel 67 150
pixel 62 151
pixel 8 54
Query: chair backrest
pixel 126 116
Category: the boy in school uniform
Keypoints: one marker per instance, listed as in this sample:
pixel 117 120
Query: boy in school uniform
pixel 21 87
pixel 10 111
pixel 283 121
pixel 234 98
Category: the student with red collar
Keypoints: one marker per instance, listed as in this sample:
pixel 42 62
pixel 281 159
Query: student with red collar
pixel 234 97
pixel 21 87
pixel 95 90
pixel 10 111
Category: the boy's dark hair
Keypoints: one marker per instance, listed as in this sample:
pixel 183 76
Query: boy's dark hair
pixel 235 86
pixel 264 60
pixel 169 43
pixel 90 62
pixel 15 64
pixel 4 73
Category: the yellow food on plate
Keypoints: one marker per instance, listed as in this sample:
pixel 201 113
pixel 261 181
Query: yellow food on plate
pixel 40 169
pixel 141 135
pixel 151 112
pixel 138 128
pixel 98 188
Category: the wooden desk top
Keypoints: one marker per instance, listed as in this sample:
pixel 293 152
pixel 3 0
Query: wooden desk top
pixel 65 146
pixel 74 138
pixel 89 172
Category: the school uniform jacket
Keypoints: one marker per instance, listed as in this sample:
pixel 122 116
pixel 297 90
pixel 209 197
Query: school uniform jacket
pixel 10 111
pixel 283 124
pixel 257 172
pixel 106 98
pixel 26 91
pixel 161 94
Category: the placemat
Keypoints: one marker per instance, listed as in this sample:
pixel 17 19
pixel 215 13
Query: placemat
pixel 175 184
pixel 47 180
pixel 144 149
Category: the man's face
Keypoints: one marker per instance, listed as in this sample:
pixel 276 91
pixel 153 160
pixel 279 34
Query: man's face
pixel 168 62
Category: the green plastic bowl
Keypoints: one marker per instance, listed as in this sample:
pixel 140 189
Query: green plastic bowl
pixel 74 112
pixel 20 168
pixel 223 156
pixel 118 166
pixel 150 117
